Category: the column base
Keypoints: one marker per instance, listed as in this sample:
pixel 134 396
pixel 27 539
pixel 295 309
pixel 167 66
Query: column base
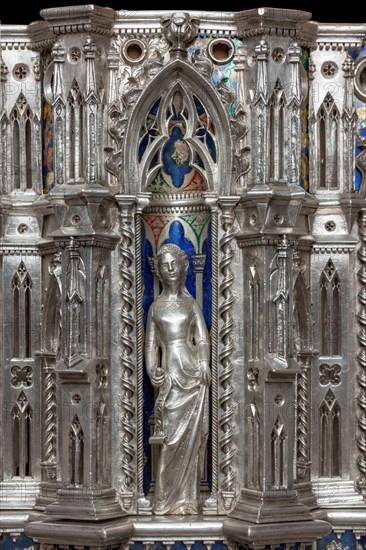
pixel 288 533
pixel 306 495
pixel 80 503
pixel 270 507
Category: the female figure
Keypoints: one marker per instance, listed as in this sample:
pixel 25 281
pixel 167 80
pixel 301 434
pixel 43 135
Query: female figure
pixel 177 352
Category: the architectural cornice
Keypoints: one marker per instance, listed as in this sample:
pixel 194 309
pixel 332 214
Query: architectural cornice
pixel 76 19
pixel 14 37
pixel 271 21
pixel 148 21
pixel 332 36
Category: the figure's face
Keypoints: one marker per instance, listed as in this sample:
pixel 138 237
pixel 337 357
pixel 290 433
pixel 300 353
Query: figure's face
pixel 170 268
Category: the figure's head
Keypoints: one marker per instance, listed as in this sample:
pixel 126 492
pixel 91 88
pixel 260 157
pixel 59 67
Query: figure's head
pixel 171 264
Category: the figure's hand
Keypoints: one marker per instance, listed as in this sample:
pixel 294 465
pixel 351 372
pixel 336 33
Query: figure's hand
pixel 205 372
pixel 158 377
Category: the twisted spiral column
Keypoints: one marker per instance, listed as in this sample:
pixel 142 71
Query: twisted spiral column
pixel 127 326
pixel 226 412
pixel 139 356
pixel 303 422
pixel 50 422
pixel 214 352
pixel 361 357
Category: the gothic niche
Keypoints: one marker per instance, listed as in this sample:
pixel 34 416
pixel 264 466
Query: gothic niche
pixel 330 314
pixel 178 154
pixel 22 320
pixel 330 436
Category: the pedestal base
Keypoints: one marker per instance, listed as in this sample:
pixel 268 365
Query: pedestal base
pixel 270 507
pixel 275 534
pixel 82 504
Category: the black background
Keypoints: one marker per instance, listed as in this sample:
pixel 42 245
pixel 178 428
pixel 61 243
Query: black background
pixel 326 12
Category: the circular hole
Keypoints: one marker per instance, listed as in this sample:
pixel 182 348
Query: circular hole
pixel 22 228
pixel 76 398
pixel 74 54
pixel 330 225
pixel 20 71
pixel 329 69
pixel 363 80
pixel 76 219
pixel 253 219
pixel 279 399
pixel 134 51
pixel 360 79
pixel 278 55
pixel 221 50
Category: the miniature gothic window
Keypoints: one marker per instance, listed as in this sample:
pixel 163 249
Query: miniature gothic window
pixel 102 447
pixel 28 149
pixel 22 121
pixel 254 301
pixel 76 452
pixel 279 455
pixel 330 314
pixel 301 332
pixel 330 436
pixel 177 148
pixel 16 151
pixel 22 311
pixel 101 297
pixel 4 151
pixel 328 117
pixel 22 437
pixel 75 125
pixel 254 447
pixel 276 140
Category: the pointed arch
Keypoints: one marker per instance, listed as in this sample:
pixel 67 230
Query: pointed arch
pixel 301 314
pixel 254 311
pixel 22 425
pixel 51 326
pixel 185 77
pixel 330 311
pixel 276 132
pixel 24 146
pixel 101 463
pixel 21 284
pixel 279 454
pixel 76 452
pixel 75 132
pixel 328 139
pixel 4 125
pixel 330 436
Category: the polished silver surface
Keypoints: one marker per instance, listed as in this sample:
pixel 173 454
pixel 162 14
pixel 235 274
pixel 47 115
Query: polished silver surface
pixel 265 441
pixel 177 331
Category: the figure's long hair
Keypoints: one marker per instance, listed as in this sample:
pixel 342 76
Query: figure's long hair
pixel 178 253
